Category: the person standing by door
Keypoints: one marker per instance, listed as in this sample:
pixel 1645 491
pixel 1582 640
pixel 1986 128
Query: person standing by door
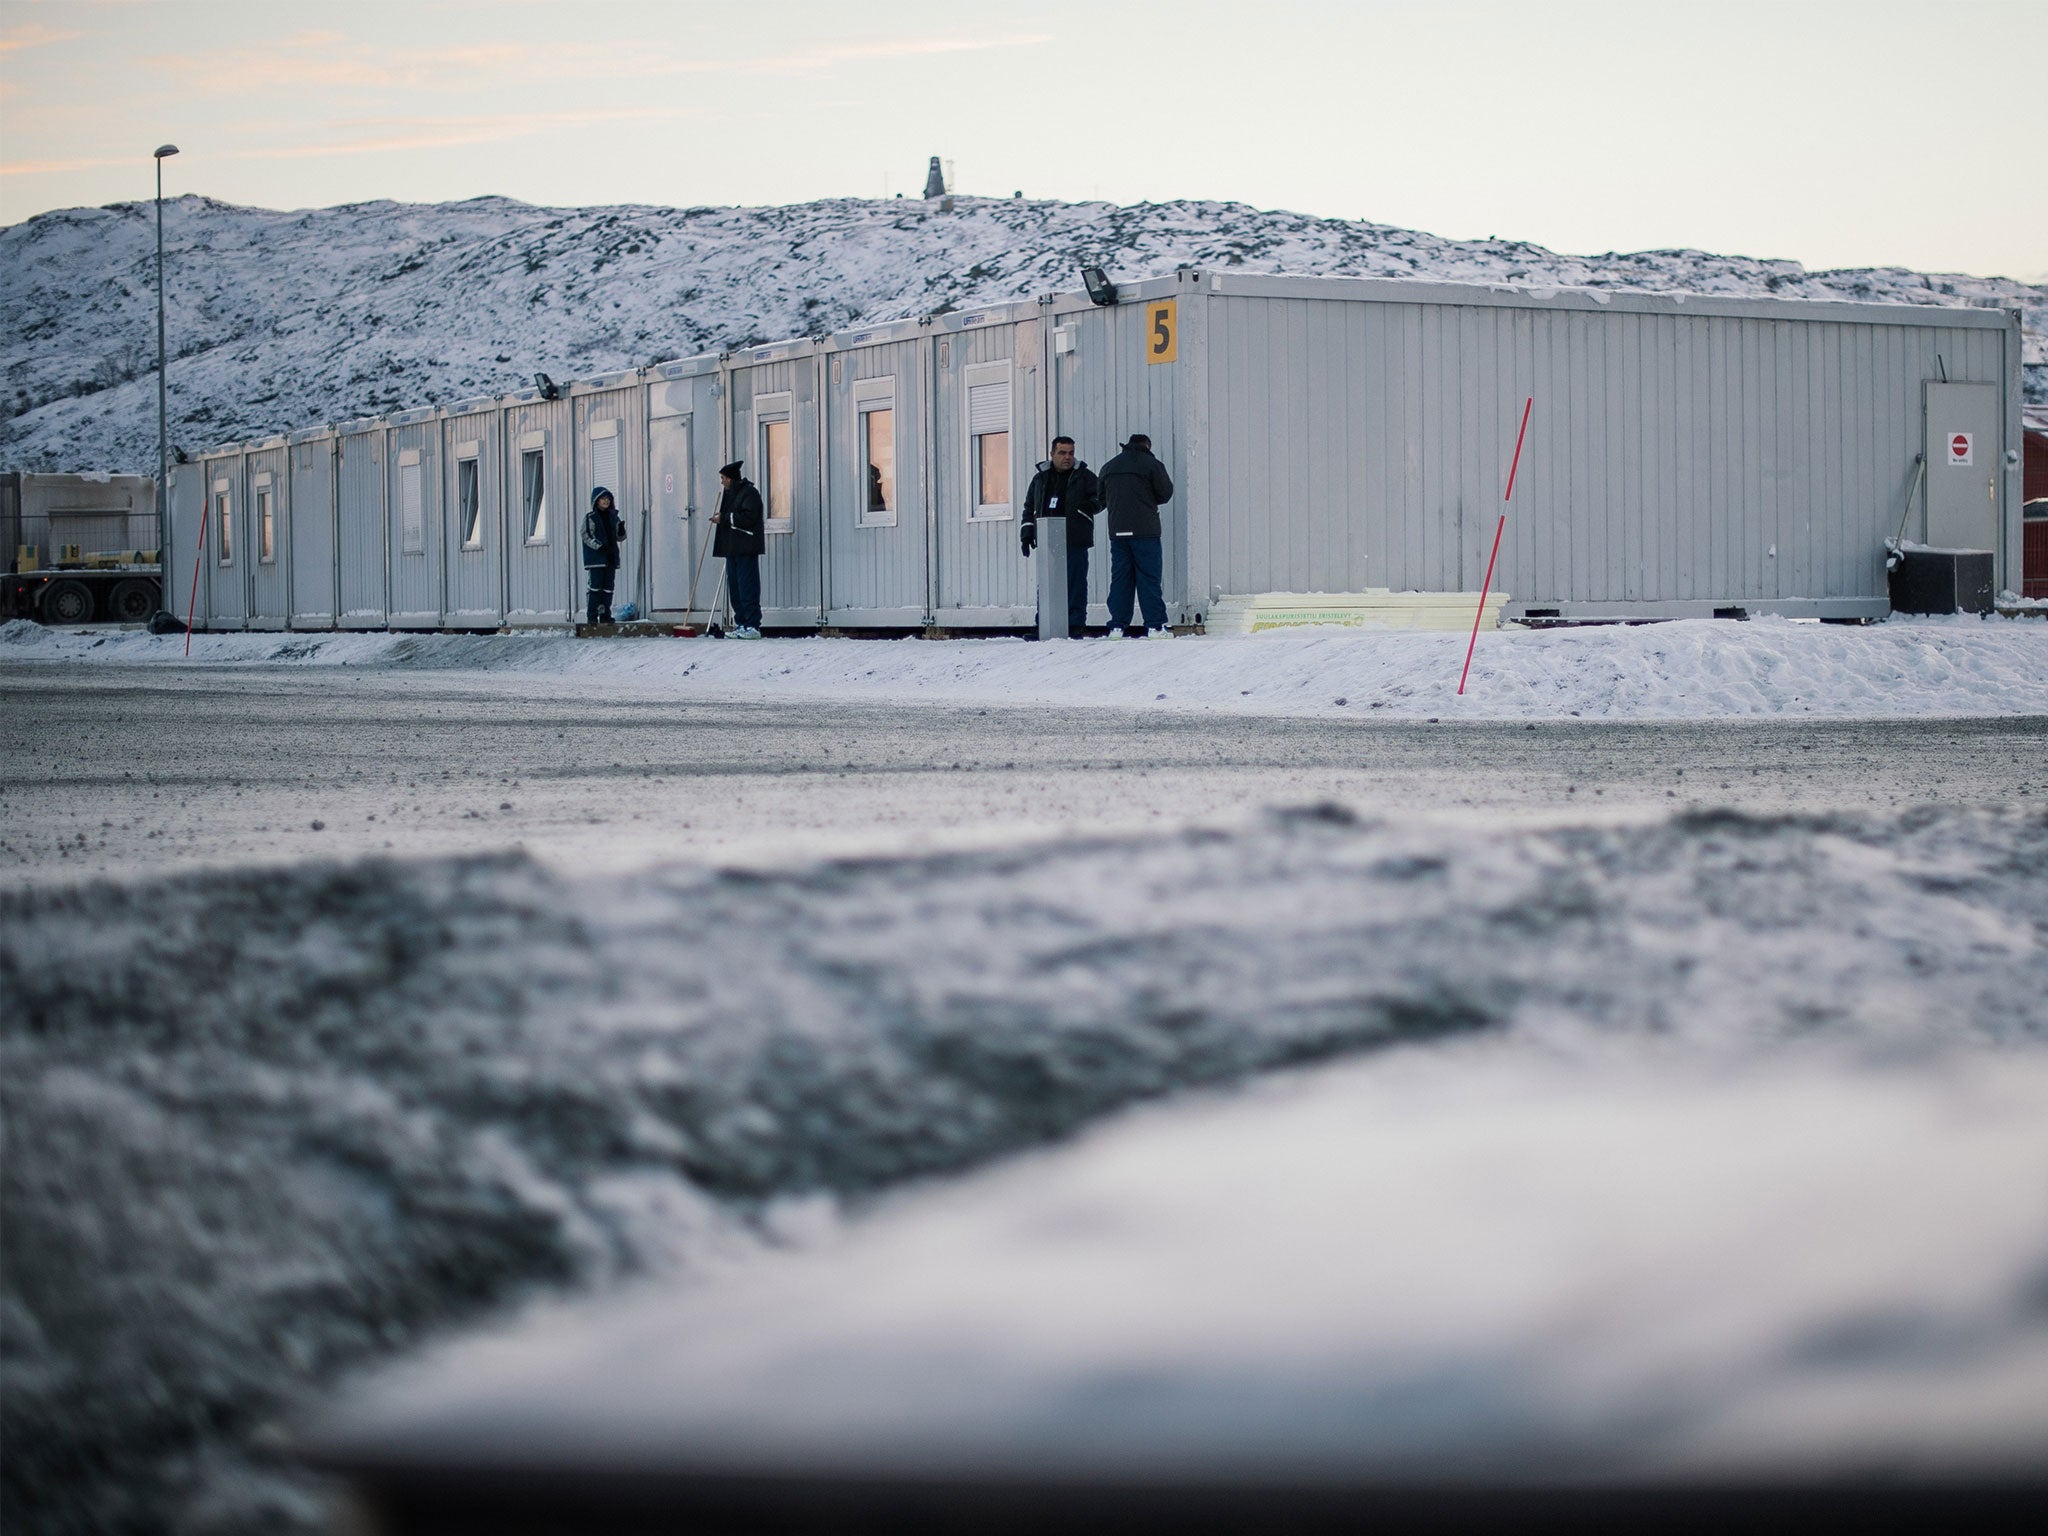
pixel 740 537
pixel 603 531
pixel 1134 484
pixel 1065 487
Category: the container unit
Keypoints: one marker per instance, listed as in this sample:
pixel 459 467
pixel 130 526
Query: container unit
pixel 309 536
pixel 878 408
pixel 472 501
pixel 412 500
pixel 610 416
pixel 681 403
pixel 1686 455
pixel 773 398
pixel 184 575
pixel 226 558
pixel 361 524
pixel 987 410
pixel 543 568
pixel 1111 376
pixel 266 501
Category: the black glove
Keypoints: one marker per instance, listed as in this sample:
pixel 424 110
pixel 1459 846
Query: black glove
pixel 1027 538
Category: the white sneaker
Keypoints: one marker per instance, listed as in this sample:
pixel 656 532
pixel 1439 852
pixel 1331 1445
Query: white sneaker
pixel 1159 634
pixel 744 632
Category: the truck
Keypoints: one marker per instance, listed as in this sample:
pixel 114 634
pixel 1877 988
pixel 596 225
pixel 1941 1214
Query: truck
pixel 79 548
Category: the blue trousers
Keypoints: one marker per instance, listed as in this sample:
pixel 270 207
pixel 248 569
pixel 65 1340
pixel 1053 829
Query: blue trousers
pixel 743 583
pixel 1077 589
pixel 598 605
pixel 1135 563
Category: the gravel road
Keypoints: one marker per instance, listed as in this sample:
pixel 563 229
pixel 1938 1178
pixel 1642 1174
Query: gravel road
pixel 130 770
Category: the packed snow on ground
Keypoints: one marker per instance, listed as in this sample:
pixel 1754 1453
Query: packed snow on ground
pixel 280 321
pixel 1695 669
pixel 1632 1103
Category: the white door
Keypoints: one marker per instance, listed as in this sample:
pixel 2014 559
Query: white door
pixel 671 547
pixel 1962 466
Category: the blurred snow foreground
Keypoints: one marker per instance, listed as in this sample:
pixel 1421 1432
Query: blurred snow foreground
pixel 1711 1143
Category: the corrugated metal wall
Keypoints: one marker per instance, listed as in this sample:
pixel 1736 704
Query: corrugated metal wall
pixel 683 460
pixel 611 450
pixel 310 492
pixel 185 593
pixel 414 535
pixel 981 576
pixel 227 559
pixel 877 560
pixel 792 568
pixel 540 566
pixel 269 567
pixel 475 569
pixel 1676 461
pixel 360 527
pixel 1103 391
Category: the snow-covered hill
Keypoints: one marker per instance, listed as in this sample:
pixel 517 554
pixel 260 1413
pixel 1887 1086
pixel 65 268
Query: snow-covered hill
pixel 285 320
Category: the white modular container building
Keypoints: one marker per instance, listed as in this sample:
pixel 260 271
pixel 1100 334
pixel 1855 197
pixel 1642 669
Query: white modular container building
pixel 472 531
pixel 266 537
pixel 309 542
pixel 1686 456
pixel 360 515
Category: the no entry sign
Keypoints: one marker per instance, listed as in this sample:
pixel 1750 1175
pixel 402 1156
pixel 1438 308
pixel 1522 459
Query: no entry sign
pixel 1959 449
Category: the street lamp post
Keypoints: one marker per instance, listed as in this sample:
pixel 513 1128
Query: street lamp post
pixel 163 428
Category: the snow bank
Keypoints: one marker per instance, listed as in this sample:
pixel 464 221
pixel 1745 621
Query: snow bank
pixel 1692 670
pixel 266 1125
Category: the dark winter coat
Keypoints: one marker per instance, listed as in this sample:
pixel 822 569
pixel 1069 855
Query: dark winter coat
pixel 1080 500
pixel 601 535
pixel 740 522
pixel 1134 483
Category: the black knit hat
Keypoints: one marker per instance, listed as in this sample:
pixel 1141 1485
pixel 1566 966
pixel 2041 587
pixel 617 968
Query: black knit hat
pixel 732 471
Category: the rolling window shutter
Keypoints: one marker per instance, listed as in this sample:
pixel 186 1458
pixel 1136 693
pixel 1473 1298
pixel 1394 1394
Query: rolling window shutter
pixel 604 465
pixel 988 407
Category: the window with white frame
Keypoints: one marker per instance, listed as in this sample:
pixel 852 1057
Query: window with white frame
pixel 988 439
pixel 775 459
pixel 469 499
pixel 224 523
pixel 874 404
pixel 266 522
pixel 533 489
pixel 412 506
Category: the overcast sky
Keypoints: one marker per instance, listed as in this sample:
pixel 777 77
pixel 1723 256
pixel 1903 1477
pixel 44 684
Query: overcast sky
pixel 1890 131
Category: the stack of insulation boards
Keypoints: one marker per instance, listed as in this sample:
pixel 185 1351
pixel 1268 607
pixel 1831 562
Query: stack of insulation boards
pixel 1374 608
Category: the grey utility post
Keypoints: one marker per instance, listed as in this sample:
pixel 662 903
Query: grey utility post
pixel 1052 578
pixel 163 431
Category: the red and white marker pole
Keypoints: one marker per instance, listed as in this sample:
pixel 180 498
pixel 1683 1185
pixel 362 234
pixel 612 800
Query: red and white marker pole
pixel 1486 586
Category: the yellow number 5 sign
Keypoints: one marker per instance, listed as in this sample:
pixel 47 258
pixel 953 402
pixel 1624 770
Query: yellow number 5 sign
pixel 1162 332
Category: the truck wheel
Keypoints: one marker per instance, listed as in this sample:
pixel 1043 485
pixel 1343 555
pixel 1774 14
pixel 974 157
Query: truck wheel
pixel 67 602
pixel 133 601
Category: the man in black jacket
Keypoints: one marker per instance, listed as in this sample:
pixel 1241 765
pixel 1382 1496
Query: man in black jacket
pixel 1134 483
pixel 1065 487
pixel 738 541
pixel 603 529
